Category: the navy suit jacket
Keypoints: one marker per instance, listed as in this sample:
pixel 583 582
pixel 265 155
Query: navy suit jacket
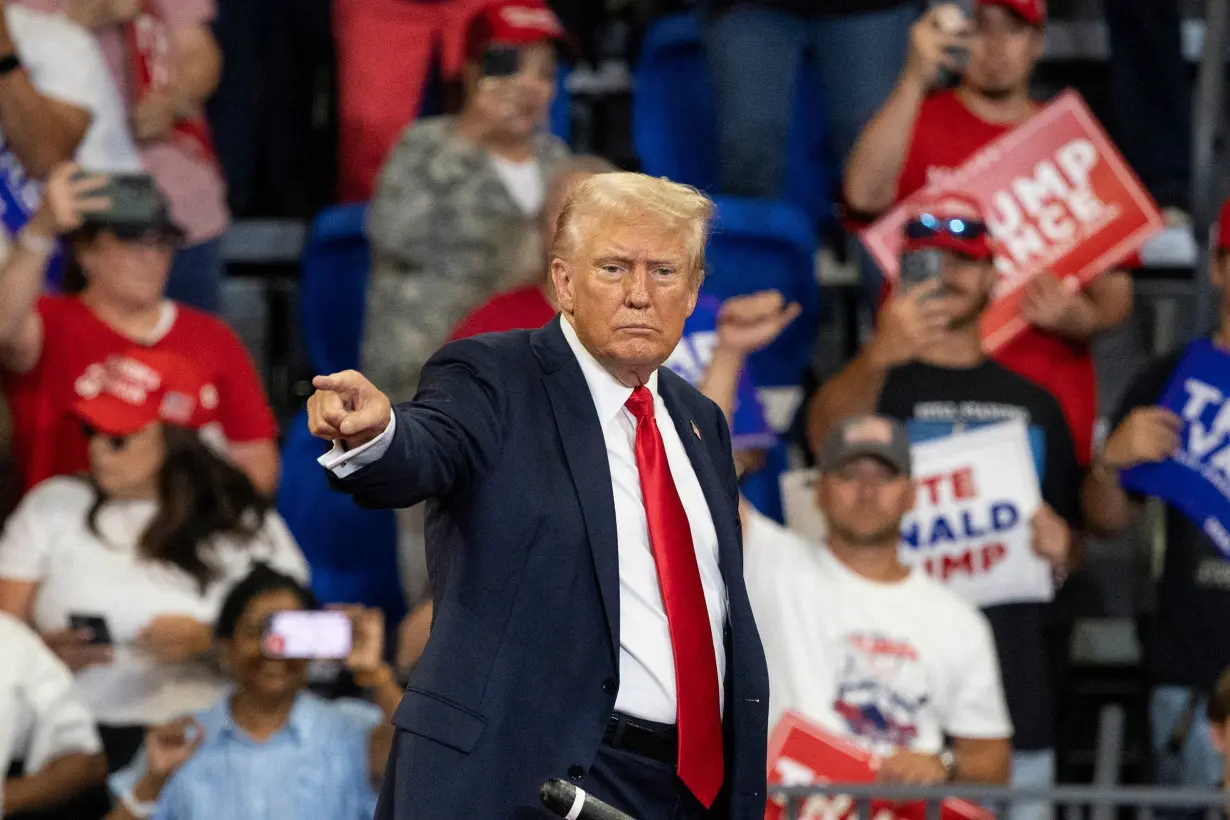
pixel 520 675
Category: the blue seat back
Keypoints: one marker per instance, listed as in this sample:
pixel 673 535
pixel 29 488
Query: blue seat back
pixel 561 106
pixel 333 287
pixel 352 551
pixel 674 121
pixel 758 245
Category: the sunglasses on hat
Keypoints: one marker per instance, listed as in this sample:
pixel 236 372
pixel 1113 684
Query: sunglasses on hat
pixel 926 225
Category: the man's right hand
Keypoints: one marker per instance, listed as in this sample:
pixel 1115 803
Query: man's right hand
pixel 932 42
pixel 74 648
pixel 67 198
pixel 912 319
pixel 167 747
pixel 1147 435
pixel 346 407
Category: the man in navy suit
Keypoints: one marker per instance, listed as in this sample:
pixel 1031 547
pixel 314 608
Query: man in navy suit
pixel 583 541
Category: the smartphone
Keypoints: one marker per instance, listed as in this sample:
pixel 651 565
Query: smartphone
pixel 134 200
pixel 951 77
pixel 924 265
pixel 97 624
pixel 501 61
pixel 307 635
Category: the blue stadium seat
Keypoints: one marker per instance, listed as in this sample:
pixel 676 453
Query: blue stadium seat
pixel 674 120
pixel 761 244
pixel 561 106
pixel 674 123
pixel 352 551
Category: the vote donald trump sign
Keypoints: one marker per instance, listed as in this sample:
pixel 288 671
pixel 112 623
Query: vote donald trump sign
pixel 1056 195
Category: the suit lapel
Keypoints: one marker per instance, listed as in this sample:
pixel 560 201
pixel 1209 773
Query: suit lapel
pixel 702 465
pixel 585 450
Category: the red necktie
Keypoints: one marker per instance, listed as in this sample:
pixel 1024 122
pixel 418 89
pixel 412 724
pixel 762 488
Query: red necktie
pixel 699 715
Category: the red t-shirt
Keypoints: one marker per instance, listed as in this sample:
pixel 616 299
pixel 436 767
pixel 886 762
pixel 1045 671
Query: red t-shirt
pixel 47 438
pixel 521 309
pixel 945 135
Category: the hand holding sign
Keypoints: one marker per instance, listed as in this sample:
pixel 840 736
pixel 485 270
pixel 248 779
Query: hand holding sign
pixel 1146 436
pixel 1048 303
pixel 1052 537
pixel 912 769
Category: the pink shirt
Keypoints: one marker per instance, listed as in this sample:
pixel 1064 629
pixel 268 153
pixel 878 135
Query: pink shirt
pixel 193 183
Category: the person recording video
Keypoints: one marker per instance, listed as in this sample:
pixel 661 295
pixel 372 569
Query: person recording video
pixel 455 213
pixel 923 132
pixel 122 238
pixel 268 747
pixel 124 569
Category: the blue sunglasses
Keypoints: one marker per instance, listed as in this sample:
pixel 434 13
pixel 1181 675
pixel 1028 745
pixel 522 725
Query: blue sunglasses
pixel 926 226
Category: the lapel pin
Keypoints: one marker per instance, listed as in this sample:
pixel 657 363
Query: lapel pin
pixel 696 430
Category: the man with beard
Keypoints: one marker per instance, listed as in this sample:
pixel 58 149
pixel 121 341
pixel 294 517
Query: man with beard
pixel 925 366
pixel 919 136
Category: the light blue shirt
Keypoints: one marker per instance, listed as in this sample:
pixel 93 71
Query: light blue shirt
pixel 316 767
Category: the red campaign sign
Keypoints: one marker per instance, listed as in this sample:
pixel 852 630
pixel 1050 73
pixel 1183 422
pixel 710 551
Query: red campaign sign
pixel 1057 196
pixel 801 754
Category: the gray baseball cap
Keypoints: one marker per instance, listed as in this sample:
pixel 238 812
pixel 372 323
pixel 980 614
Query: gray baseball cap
pixel 874 436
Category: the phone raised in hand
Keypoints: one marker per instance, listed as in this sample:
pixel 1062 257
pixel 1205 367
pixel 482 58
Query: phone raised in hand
pixel 307 635
pixel 922 265
pixel 100 635
pixel 134 200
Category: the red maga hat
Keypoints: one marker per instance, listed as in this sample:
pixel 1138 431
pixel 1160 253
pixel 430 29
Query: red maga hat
pixel 513 23
pixel 1031 11
pixel 133 389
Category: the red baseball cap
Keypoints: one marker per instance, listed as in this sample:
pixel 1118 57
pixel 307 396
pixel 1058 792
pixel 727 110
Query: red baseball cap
pixel 950 220
pixel 513 23
pixel 1223 227
pixel 1031 11
pixel 133 389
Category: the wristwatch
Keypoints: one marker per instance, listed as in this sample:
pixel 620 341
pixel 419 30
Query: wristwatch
pixel 143 810
pixel 949 761
pixel 9 63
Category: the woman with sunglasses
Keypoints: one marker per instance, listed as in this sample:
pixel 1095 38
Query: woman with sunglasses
pixel 124 569
pixel 122 241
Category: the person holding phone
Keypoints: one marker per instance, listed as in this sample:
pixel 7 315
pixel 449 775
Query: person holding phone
pixel 455 214
pixel 122 238
pixel 924 365
pixel 267 747
pixel 923 132
pixel 123 570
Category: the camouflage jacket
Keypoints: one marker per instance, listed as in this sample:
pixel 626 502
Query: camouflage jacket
pixel 445 235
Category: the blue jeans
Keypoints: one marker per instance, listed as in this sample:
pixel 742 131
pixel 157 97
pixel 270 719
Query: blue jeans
pixel 1196 762
pixel 754 55
pixel 196 276
pixel 1032 770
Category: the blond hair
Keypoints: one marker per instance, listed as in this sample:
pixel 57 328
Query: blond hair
pixel 636 199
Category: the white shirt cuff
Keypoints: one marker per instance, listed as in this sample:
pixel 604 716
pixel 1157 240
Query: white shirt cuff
pixel 342 462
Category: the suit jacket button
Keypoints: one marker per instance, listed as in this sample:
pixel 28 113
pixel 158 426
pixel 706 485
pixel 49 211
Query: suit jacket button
pixel 576 772
pixel 609 686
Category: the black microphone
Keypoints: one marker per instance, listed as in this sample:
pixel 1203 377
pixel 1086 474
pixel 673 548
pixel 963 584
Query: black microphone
pixel 567 801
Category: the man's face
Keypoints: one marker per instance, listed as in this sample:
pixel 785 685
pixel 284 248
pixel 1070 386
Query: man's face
pixel 1003 52
pixel 967 287
pixel 628 290
pixel 864 500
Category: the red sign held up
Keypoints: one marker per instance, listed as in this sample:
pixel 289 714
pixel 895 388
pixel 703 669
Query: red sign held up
pixel 802 754
pixel 1057 196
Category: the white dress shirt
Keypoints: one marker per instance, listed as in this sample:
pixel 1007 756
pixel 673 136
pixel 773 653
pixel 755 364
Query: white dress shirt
pixel 646 661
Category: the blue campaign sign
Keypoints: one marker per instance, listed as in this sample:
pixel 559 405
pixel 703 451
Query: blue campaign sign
pixel 1196 480
pixel 750 429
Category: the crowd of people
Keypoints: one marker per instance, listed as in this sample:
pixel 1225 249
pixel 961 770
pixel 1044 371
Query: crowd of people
pixel 144 557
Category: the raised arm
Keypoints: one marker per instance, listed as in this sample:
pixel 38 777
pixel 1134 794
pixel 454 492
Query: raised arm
pixel 875 163
pixel 65 200
pixel 1078 315
pixel 1147 434
pixel 451 432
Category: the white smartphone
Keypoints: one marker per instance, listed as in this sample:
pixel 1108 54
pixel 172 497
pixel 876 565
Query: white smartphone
pixel 307 635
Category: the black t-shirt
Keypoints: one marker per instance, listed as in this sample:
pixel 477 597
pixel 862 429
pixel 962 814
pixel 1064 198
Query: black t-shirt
pixel 1191 645
pixel 921 393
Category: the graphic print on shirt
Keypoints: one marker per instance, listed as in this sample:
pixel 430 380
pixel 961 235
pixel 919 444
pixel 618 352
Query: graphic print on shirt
pixel 882 688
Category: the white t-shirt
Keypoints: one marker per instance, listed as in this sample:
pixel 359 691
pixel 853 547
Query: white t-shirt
pixel 524 182
pixel 42 715
pixel 887 665
pixel 47 539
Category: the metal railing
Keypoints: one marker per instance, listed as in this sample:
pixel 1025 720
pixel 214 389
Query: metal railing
pixel 836 801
